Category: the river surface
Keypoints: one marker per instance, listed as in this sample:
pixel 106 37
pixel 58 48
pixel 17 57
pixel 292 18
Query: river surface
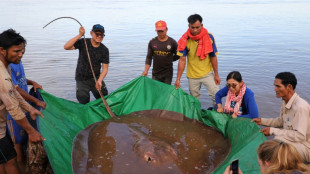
pixel 259 38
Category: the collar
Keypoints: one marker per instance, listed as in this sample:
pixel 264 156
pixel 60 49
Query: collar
pixel 291 101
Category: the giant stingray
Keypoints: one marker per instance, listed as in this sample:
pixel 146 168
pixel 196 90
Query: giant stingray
pixel 154 141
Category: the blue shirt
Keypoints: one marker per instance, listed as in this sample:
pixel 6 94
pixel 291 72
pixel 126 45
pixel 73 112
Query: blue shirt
pixel 248 100
pixel 18 76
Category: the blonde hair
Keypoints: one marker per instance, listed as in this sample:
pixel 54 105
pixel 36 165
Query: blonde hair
pixel 282 157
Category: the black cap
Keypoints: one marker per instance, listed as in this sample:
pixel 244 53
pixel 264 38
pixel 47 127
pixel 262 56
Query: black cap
pixel 98 27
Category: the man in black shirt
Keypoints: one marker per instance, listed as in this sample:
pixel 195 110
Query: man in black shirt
pixel 99 54
pixel 163 50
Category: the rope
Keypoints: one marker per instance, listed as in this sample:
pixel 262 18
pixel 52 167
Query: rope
pixel 91 66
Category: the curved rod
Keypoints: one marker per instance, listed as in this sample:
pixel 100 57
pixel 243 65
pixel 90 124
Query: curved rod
pixel 91 66
pixel 62 18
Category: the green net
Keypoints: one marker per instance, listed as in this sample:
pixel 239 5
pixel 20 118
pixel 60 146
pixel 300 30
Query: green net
pixel 64 119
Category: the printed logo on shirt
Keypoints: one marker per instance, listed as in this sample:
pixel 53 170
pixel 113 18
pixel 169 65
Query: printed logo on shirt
pixel 22 81
pixel 161 53
pixel 155 46
pixel 240 111
pixel 17 73
pixel 232 104
pixel 168 47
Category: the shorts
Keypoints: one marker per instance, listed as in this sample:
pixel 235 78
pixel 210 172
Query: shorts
pixel 7 151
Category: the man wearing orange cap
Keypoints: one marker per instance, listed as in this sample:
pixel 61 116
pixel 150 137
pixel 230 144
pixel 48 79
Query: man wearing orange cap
pixel 163 50
pixel 199 47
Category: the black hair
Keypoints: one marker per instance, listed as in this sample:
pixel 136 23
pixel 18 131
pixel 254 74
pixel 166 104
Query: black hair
pixel 234 75
pixel 287 78
pixel 9 38
pixel 194 18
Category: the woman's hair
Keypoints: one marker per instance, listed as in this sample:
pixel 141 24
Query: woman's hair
pixel 234 75
pixel 282 157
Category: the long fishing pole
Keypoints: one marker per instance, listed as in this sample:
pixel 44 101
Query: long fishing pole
pixel 91 66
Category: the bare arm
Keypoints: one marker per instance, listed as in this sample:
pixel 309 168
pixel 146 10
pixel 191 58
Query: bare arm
pixel 70 44
pixel 215 69
pixel 33 135
pixel 146 70
pixel 148 60
pixel 34 84
pixel 103 73
pixel 181 67
pixel 30 98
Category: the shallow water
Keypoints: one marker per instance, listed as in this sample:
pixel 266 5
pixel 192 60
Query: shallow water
pixel 143 144
pixel 259 38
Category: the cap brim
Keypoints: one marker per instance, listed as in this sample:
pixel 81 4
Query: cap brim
pixel 98 30
pixel 160 28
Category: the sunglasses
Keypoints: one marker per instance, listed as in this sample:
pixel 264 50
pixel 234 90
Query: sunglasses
pixel 99 34
pixel 231 85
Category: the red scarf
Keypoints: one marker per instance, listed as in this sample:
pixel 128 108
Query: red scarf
pixel 238 99
pixel 204 43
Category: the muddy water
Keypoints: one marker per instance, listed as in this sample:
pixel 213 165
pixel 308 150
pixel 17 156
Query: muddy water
pixel 146 144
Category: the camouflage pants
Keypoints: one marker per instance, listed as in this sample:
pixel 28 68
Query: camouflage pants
pixel 37 161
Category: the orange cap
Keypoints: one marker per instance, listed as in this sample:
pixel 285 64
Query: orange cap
pixel 160 25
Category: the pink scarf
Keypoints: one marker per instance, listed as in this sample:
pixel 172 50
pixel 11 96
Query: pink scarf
pixel 204 42
pixel 238 99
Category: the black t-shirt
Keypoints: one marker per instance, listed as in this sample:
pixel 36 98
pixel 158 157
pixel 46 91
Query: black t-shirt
pixel 163 54
pixel 242 110
pixel 98 55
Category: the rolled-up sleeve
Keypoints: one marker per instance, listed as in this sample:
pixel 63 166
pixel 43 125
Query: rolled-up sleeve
pixel 13 101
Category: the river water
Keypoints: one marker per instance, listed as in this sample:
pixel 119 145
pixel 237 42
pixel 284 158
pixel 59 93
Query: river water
pixel 259 38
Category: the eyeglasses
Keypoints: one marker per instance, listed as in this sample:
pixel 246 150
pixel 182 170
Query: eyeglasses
pixel 231 85
pixel 99 34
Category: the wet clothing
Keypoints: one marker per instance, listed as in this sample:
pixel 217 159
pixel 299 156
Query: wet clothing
pixel 83 75
pixel 293 125
pixel 17 133
pixel 7 151
pixel 84 87
pixel 164 79
pixel 248 105
pixel 162 54
pixel 98 55
pixel 10 100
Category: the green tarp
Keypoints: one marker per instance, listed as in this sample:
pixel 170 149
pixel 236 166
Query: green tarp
pixel 64 119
